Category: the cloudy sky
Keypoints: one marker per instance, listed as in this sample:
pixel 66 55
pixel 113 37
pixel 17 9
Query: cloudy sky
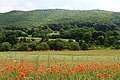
pixel 110 5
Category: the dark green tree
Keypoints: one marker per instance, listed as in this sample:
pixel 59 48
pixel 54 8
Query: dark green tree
pixel 70 40
pixel 87 37
pixel 117 46
pixel 111 40
pixel 74 46
pixel 101 40
pixel 96 34
pixel 106 43
pixel 77 39
pixel 24 39
pixel 33 46
pixel 23 47
pixel 11 37
pixel 44 38
pixel 2 37
pixel 84 46
pixel 81 41
pixel 42 46
pixel 57 44
pixel 5 46
pixel 16 47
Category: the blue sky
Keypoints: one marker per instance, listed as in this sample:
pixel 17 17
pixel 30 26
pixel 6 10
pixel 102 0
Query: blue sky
pixel 110 5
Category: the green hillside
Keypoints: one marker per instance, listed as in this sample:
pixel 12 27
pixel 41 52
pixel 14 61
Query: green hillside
pixel 59 29
pixel 32 18
pixel 55 17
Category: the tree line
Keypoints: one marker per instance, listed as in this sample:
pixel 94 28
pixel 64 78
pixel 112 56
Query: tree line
pixel 76 39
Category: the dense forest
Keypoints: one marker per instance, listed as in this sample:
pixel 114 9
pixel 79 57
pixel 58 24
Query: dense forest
pixel 58 29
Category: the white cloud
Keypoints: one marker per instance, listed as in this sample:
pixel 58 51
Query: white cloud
pixel 8 5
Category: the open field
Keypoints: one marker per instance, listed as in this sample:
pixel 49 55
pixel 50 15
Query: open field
pixel 60 65
pixel 38 39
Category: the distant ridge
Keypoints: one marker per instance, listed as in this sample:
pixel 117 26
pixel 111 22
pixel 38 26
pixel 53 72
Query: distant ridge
pixel 35 18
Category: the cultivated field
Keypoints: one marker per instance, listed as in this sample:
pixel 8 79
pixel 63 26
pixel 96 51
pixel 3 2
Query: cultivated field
pixel 60 65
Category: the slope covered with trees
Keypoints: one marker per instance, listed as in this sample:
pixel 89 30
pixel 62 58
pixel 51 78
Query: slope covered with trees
pixel 53 17
pixel 86 29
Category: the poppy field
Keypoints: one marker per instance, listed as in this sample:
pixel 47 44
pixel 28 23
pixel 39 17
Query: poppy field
pixel 60 65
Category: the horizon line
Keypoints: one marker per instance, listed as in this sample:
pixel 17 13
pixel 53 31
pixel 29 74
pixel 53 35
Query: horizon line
pixel 59 9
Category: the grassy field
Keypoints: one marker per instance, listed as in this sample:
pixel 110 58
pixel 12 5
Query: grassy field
pixel 60 65
pixel 38 39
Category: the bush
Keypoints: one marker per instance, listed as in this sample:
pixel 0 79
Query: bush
pixel 80 42
pixel 33 45
pixel 16 47
pixel 117 46
pixel 70 40
pixel 43 46
pixel 74 46
pixel 5 46
pixel 57 44
pixel 84 46
pixel 23 47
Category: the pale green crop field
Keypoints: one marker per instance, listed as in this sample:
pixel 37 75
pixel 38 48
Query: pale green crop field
pixel 93 56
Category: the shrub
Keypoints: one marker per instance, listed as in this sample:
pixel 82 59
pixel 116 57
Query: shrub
pixel 74 46
pixel 117 46
pixel 43 46
pixel 33 45
pixel 57 44
pixel 23 47
pixel 84 46
pixel 5 46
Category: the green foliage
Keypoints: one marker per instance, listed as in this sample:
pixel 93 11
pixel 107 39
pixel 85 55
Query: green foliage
pixel 2 37
pixel 57 19
pixel 76 33
pixel 22 34
pixel 16 47
pixel 77 39
pixel 87 37
pixel 106 43
pixel 96 34
pixel 42 46
pixel 70 40
pixel 10 36
pixel 23 47
pixel 101 40
pixel 23 39
pixel 117 46
pixel 111 40
pixel 84 46
pixel 57 44
pixel 33 46
pixel 93 27
pixel 44 38
pixel 74 46
pixel 5 46
pixel 81 41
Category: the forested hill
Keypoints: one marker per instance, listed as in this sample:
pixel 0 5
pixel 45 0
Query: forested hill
pixel 59 29
pixel 59 18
